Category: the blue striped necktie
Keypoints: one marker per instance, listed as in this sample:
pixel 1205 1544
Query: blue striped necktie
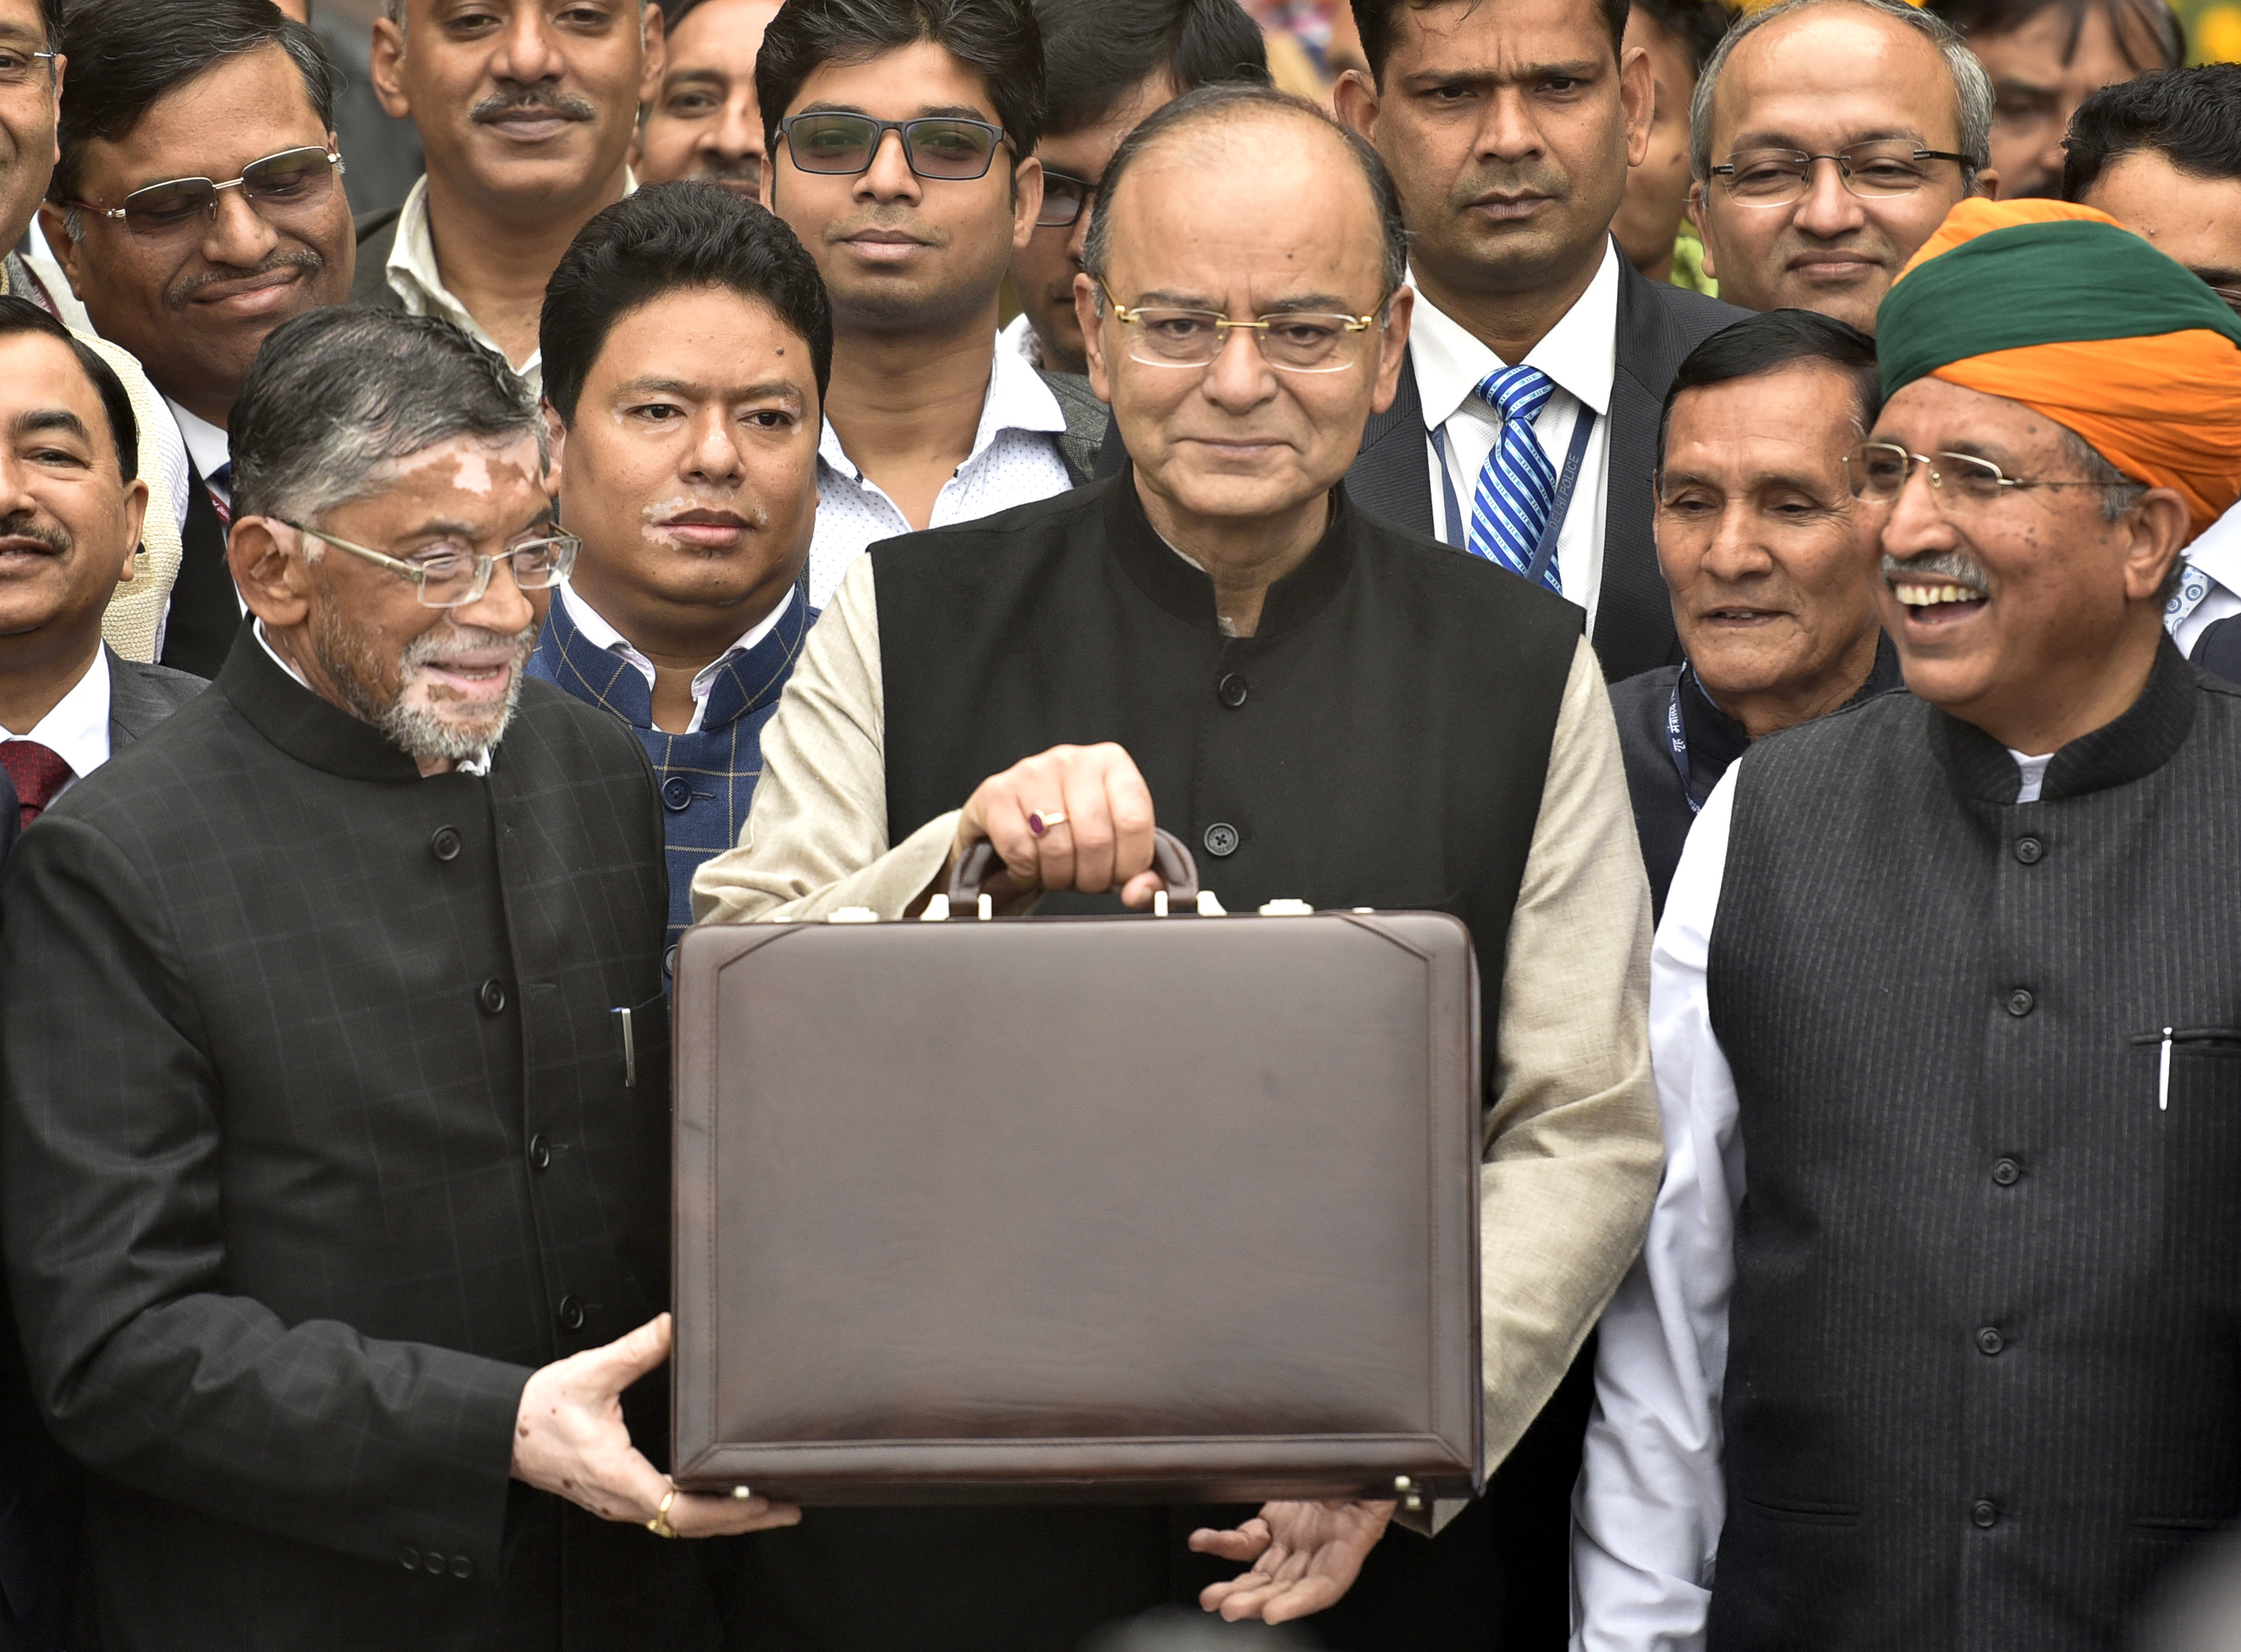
pixel 1517 489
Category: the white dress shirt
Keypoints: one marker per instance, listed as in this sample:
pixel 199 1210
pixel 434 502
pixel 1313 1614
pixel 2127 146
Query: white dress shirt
pixel 210 448
pixel 1019 336
pixel 2210 583
pixel 76 729
pixel 1014 461
pixel 1650 1502
pixel 1580 355
pixel 598 633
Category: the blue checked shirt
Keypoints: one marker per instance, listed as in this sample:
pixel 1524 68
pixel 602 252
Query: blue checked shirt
pixel 708 774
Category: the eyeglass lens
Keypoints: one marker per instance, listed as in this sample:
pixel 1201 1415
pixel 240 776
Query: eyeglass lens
pixel 292 181
pixel 1064 200
pixel 937 148
pixel 452 577
pixel 1770 175
pixel 1300 343
pixel 1877 470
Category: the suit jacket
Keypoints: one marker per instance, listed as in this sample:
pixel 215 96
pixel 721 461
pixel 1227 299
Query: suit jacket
pixel 376 237
pixel 206 611
pixel 316 1134
pixel 39 1490
pixel 1657 326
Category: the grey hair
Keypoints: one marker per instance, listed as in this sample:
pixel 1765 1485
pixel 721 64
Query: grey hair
pixel 1224 101
pixel 2119 492
pixel 1972 87
pixel 336 398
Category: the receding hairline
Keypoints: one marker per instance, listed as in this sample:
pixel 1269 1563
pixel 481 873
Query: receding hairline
pixel 1205 124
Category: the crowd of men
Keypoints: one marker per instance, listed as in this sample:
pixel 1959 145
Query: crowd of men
pixel 410 624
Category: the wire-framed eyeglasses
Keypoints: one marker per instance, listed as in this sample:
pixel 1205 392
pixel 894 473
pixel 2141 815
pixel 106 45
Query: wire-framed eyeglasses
pixel 295 180
pixel 1877 171
pixel 1877 472
pixel 450 576
pixel 1292 341
pixel 837 144
pixel 21 68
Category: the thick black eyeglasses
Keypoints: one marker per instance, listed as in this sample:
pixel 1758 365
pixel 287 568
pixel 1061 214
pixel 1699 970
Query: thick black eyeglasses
pixel 1065 198
pixel 937 146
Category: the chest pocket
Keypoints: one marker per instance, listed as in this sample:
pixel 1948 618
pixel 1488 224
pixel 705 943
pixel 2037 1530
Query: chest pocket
pixel 2199 1117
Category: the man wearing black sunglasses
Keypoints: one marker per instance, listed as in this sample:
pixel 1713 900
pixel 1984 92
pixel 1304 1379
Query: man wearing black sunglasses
pixel 197 206
pixel 900 144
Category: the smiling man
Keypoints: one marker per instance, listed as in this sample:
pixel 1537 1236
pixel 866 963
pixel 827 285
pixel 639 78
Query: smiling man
pixel 526 109
pixel 1827 139
pixel 901 148
pixel 197 206
pixel 1759 536
pixel 704 123
pixel 686 344
pixel 1933 1340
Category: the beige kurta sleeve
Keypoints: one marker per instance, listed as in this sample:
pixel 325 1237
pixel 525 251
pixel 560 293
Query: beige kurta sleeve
pixel 1573 1147
pixel 816 837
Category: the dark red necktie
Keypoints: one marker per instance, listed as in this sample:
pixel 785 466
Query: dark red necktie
pixel 38 775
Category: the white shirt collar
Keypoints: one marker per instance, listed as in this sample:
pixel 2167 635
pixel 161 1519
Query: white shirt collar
pixel 76 729
pixel 596 630
pixel 1580 352
pixel 209 446
pixel 1019 337
pixel 1017 400
pixel 479 764
pixel 2217 551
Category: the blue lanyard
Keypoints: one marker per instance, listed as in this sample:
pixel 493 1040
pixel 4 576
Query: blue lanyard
pixel 1557 510
pixel 1677 737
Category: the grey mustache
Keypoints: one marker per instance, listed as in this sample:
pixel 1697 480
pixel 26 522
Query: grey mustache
pixel 1947 565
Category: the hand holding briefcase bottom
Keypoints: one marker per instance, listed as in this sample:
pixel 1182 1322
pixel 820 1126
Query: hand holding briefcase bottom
pixel 1140 1208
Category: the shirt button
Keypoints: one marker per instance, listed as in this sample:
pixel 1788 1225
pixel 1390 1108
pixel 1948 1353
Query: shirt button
pixel 1989 1342
pixel 1221 839
pixel 572 1313
pixel 411 1560
pixel 492 996
pixel 540 1152
pixel 2006 1172
pixel 462 1567
pixel 1233 691
pixel 2028 850
pixel 2020 1001
pixel 1985 1513
pixel 676 794
pixel 445 846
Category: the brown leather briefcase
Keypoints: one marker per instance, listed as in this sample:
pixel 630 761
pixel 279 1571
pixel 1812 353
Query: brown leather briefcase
pixel 1140 1208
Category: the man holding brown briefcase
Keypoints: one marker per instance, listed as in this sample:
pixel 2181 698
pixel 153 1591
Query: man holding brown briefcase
pixel 1325 708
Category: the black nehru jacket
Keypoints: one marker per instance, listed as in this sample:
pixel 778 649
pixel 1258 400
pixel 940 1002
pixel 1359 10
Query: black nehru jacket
pixel 1984 1378
pixel 1381 740
pixel 1665 806
pixel 318 1137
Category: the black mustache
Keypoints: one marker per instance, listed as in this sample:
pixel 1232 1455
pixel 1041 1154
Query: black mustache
pixel 24 525
pixel 1948 564
pixel 534 100
pixel 302 259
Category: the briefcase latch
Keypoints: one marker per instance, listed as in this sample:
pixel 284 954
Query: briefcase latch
pixel 1287 908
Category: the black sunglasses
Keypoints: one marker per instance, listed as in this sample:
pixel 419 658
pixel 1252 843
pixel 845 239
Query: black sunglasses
pixel 937 146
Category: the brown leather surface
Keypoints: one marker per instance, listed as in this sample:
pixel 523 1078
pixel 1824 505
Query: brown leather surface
pixel 1125 1207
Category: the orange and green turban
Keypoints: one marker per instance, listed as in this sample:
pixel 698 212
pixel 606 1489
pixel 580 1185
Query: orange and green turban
pixel 2061 308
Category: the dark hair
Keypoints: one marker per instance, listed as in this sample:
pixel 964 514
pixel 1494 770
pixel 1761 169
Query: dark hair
pixel 2190 116
pixel 125 54
pixel 1974 17
pixel 22 315
pixel 997 39
pixel 50 15
pixel 1097 51
pixel 1767 343
pixel 1696 24
pixel 1373 21
pixel 338 396
pixel 666 238
pixel 1211 103
pixel 675 11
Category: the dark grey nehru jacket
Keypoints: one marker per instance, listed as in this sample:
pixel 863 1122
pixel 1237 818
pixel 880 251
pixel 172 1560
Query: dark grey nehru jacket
pixel 1984 1383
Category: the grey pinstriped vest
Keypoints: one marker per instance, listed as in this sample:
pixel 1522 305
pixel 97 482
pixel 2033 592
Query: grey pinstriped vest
pixel 1985 1375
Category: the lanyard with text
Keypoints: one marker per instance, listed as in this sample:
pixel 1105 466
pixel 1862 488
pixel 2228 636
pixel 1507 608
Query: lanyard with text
pixel 1573 456
pixel 1677 737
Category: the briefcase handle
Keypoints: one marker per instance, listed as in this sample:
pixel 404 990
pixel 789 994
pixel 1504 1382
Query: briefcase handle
pixel 1169 859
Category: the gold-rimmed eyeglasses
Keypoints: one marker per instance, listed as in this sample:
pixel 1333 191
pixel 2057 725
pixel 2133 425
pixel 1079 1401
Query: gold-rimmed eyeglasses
pixel 1877 472
pixel 452 576
pixel 295 180
pixel 1295 341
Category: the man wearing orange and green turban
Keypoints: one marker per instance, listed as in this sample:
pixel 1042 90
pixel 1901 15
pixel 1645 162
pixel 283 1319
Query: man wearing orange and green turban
pixel 1935 1338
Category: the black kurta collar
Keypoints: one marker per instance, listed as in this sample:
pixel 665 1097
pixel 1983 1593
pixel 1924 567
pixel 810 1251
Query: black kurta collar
pixel 2134 746
pixel 1182 591
pixel 298 722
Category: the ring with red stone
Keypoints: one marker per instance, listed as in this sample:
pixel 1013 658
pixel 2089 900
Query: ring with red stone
pixel 1042 821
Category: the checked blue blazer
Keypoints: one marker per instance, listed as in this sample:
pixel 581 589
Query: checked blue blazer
pixel 707 779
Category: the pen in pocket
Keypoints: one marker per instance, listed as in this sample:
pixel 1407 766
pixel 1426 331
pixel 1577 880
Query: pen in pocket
pixel 2163 1074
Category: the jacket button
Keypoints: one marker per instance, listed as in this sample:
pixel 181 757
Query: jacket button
pixel 1233 691
pixel 445 846
pixel 2020 1001
pixel 1985 1513
pixel 540 1152
pixel 462 1567
pixel 411 1560
pixel 1221 839
pixel 432 1562
pixel 1989 1342
pixel 492 997
pixel 572 1313
pixel 2006 1172
pixel 2029 849
pixel 669 963
pixel 677 794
